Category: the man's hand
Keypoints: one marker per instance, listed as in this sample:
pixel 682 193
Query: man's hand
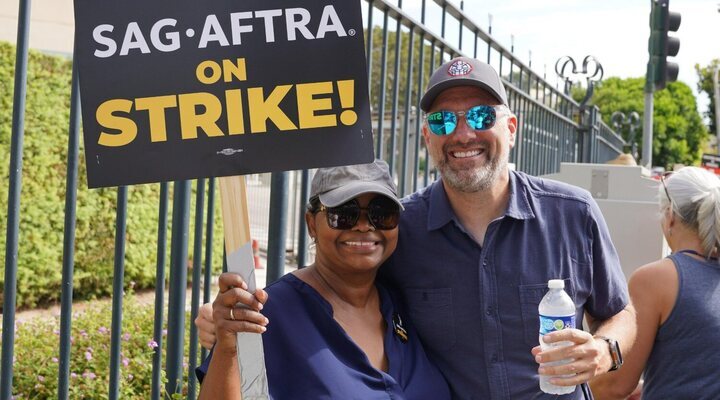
pixel 205 326
pixel 590 357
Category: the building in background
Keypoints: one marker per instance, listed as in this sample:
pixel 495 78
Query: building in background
pixel 51 25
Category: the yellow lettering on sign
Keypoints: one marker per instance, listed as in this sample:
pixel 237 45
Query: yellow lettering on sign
pixel 105 115
pixel 262 109
pixel 203 67
pixel 235 118
pixel 237 70
pixel 156 111
pixel 209 71
pixel 346 90
pixel 191 120
pixel 307 105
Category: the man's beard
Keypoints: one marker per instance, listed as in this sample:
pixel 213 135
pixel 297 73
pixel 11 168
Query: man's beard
pixel 473 180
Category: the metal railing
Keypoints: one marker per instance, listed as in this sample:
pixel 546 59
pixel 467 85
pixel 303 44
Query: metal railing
pixel 549 132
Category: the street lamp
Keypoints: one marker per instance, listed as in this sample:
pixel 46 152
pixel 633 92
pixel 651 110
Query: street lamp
pixel 591 69
pixel 632 121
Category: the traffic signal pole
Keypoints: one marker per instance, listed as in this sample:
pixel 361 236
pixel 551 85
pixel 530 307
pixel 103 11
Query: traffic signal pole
pixel 659 69
pixel 647 130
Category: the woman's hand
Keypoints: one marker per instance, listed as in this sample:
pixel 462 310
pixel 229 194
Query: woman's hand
pixel 236 310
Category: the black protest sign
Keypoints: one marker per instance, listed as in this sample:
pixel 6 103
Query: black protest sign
pixel 185 89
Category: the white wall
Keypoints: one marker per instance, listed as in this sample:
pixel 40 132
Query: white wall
pixel 628 203
pixel 51 24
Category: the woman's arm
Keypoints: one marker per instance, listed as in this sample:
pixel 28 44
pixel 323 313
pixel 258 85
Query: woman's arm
pixel 652 294
pixel 222 380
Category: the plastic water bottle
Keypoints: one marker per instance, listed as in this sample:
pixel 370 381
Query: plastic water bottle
pixel 557 312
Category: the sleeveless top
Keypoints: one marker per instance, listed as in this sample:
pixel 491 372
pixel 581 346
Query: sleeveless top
pixel 685 359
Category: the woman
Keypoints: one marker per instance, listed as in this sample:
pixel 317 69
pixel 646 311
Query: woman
pixel 677 300
pixel 329 330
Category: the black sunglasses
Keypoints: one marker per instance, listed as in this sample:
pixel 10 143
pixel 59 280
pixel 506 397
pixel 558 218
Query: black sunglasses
pixel 444 122
pixel 662 180
pixel 383 214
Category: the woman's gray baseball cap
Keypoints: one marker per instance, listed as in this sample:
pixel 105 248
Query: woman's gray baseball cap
pixel 463 71
pixel 337 185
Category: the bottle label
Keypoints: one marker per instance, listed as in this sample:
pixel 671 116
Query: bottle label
pixel 552 324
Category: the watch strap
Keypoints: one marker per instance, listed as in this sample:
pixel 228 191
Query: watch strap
pixel 615 353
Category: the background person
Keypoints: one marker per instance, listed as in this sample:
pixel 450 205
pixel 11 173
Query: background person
pixel 677 300
pixel 332 332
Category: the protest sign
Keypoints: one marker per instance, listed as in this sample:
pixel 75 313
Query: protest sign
pixel 181 89
pixel 184 89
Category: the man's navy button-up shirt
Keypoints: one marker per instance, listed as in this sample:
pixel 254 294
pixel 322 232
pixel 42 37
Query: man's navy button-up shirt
pixel 476 308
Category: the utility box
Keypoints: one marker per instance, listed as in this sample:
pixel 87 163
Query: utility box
pixel 627 197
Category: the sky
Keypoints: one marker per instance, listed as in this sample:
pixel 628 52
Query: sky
pixel 615 32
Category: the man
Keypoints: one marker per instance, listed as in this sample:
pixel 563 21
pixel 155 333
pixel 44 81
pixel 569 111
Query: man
pixel 477 247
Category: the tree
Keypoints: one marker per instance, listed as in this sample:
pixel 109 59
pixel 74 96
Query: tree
pixel 679 135
pixel 705 84
pixel 376 70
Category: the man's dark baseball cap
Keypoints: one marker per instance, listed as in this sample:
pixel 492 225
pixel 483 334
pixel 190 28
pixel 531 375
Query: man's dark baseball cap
pixel 463 71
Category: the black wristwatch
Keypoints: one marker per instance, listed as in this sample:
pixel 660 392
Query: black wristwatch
pixel 615 354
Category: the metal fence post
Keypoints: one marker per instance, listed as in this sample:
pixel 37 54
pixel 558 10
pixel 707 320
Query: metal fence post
pixel 117 298
pixel 178 283
pixel 160 289
pixel 13 217
pixel 69 238
pixel 196 273
pixel 277 231
pixel 302 227
pixel 207 276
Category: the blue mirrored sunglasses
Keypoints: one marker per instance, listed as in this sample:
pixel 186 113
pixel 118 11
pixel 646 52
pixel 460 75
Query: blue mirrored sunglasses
pixel 479 118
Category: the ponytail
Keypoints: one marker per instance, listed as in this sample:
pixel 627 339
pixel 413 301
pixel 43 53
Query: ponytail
pixel 708 219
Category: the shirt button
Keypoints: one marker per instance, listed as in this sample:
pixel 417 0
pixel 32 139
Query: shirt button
pixel 488 311
pixel 494 358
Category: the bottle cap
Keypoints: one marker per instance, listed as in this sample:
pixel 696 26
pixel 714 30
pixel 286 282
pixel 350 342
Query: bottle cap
pixel 556 284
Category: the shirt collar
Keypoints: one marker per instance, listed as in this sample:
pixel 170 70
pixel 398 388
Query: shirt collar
pixel 440 212
pixel 519 204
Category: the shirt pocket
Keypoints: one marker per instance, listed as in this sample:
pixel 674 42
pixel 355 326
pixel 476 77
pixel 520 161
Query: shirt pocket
pixel 431 311
pixel 530 296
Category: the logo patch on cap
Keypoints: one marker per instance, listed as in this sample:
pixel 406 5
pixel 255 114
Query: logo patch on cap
pixel 459 68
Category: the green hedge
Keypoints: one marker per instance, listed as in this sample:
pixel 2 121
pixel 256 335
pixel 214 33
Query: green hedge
pixel 43 197
pixel 36 354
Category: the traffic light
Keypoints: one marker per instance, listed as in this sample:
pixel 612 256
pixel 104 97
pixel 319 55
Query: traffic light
pixel 660 45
